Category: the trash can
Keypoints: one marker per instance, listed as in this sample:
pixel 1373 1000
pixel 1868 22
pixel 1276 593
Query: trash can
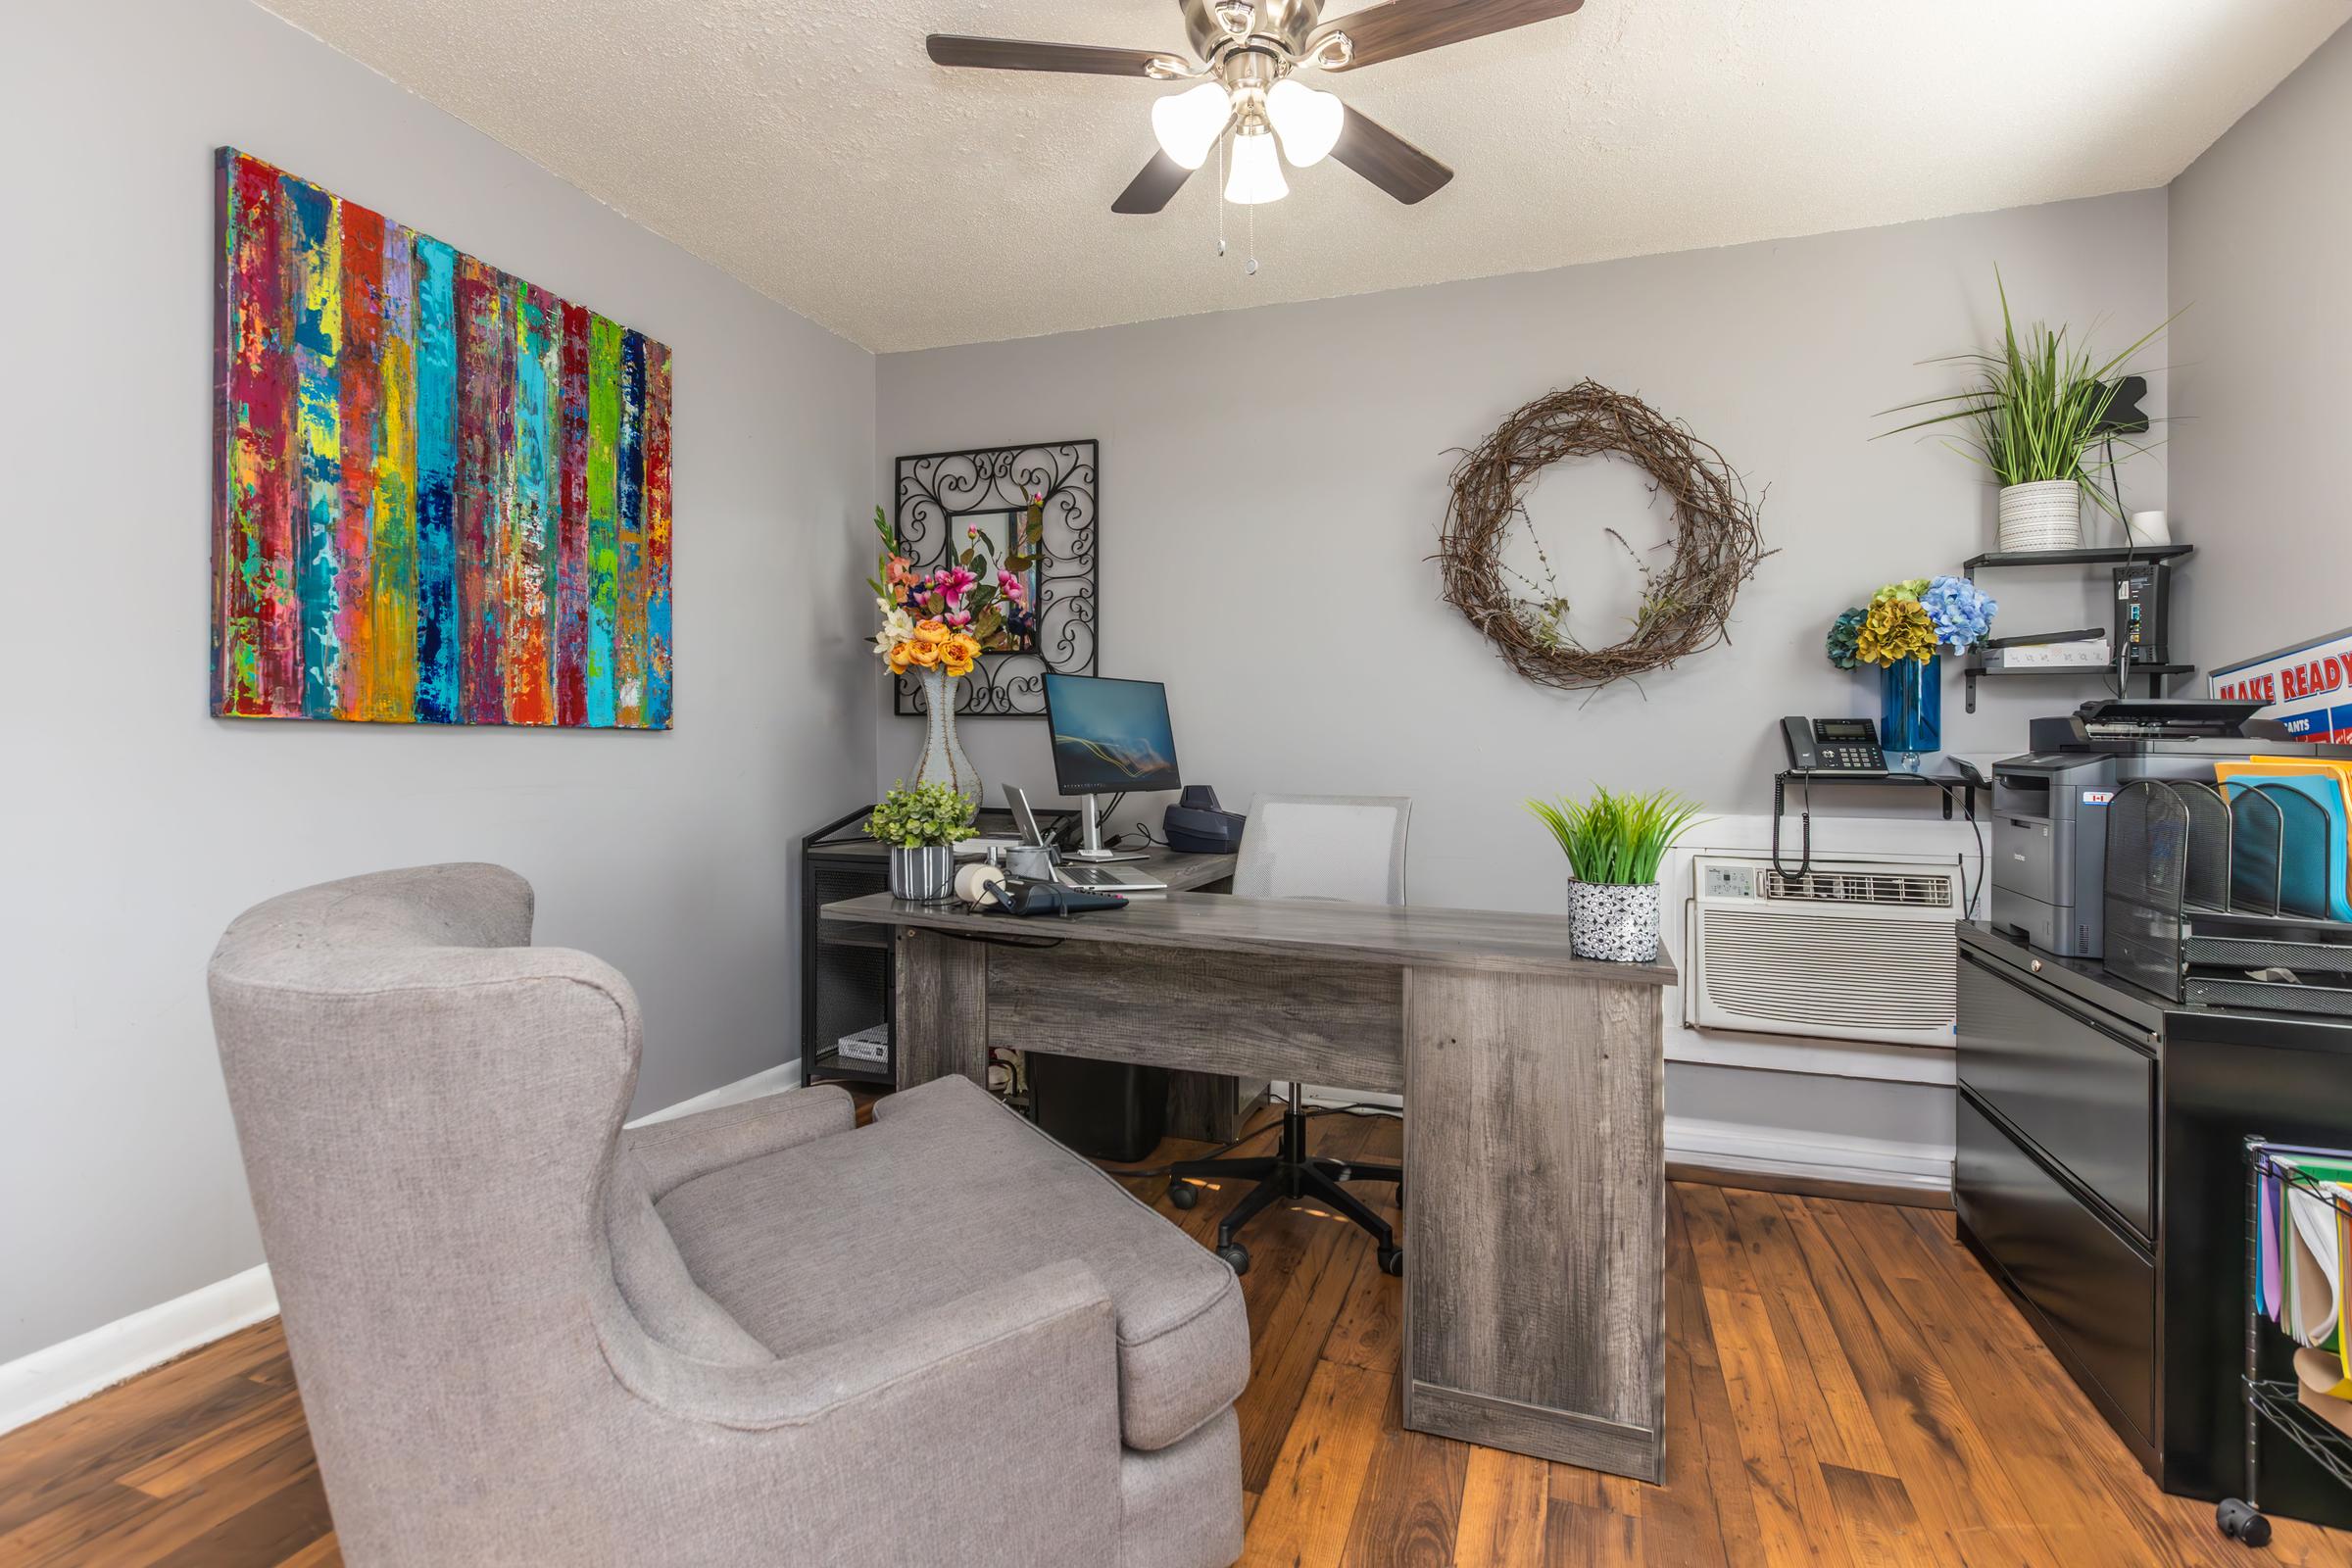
pixel 1101 1110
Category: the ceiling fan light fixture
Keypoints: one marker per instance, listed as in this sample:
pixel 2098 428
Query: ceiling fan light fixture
pixel 1257 176
pixel 1307 121
pixel 1188 124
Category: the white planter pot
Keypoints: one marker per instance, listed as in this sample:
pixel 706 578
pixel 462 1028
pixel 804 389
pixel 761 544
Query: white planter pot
pixel 2046 514
pixel 1613 922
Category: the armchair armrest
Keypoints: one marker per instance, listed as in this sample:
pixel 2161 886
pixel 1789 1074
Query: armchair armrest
pixel 983 1432
pixel 678 1151
pixel 1052 1326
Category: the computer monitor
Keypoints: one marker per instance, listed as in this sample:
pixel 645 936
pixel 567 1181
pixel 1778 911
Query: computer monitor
pixel 1108 736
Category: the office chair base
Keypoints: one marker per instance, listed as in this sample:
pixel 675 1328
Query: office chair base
pixel 1290 1172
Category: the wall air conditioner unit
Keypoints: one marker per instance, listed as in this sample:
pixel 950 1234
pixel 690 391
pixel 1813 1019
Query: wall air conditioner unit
pixel 1852 949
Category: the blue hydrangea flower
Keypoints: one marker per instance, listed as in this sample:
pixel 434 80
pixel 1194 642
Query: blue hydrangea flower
pixel 1960 611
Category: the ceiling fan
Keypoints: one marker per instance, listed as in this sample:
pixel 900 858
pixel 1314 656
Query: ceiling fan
pixel 1249 52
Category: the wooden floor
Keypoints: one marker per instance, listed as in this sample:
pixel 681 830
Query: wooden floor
pixel 1845 1388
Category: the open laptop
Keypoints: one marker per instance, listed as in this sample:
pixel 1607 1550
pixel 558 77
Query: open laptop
pixel 1110 878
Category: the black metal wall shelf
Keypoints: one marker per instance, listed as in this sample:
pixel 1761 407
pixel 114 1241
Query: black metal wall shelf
pixel 2103 556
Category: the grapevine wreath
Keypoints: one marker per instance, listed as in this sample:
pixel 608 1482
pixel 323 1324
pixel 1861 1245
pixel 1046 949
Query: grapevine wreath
pixel 1685 603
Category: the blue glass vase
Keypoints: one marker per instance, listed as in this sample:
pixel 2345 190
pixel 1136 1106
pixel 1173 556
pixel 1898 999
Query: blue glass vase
pixel 1910 710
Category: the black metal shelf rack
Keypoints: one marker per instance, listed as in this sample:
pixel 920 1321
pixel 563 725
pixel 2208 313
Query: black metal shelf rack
pixel 2277 1404
pixel 848 972
pixel 2157 675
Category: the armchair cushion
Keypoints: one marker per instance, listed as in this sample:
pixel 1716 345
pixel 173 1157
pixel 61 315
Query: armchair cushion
pixel 947 1193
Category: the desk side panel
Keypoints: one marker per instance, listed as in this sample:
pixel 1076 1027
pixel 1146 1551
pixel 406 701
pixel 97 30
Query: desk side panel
pixel 1535 1218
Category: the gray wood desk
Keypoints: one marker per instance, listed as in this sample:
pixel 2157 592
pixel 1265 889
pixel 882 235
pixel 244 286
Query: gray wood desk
pixel 1535 1220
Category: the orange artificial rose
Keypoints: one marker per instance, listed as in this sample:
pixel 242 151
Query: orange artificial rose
pixel 921 655
pixel 897 658
pixel 932 632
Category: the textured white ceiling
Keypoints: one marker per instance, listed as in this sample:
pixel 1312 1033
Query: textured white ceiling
pixel 811 150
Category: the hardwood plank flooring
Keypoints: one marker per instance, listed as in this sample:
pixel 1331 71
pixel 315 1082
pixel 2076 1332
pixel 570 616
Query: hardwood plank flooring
pixel 1845 1388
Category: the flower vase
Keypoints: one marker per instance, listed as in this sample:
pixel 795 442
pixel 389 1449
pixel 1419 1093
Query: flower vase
pixel 1910 710
pixel 944 761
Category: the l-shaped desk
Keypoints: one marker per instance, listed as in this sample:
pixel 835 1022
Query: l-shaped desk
pixel 1535 1204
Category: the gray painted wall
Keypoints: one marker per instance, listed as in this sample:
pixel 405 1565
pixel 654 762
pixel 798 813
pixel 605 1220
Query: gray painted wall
pixel 1273 480
pixel 2261 274
pixel 137 825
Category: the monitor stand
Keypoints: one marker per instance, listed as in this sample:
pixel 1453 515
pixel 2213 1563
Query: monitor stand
pixel 1090 813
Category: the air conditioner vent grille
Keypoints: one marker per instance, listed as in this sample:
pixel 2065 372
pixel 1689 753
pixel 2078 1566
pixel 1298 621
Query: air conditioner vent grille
pixel 1913 889
pixel 1829 972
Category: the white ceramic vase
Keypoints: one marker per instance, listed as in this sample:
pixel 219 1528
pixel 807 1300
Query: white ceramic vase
pixel 1615 922
pixel 2046 514
pixel 944 761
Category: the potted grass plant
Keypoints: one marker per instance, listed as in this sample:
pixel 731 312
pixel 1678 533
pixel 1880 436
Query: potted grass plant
pixel 1614 844
pixel 922 823
pixel 2036 420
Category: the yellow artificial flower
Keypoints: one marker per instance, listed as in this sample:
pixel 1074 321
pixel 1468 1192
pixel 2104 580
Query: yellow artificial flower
pixel 931 632
pixel 921 654
pixel 897 658
pixel 958 653
pixel 1895 629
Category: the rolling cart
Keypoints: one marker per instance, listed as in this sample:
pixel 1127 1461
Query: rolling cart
pixel 2277 1402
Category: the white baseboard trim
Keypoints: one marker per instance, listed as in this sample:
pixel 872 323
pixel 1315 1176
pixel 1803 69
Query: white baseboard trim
pixel 767 1081
pixel 67 1373
pixel 1815 1156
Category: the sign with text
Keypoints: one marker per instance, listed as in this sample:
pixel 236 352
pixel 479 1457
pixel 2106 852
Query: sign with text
pixel 2308 687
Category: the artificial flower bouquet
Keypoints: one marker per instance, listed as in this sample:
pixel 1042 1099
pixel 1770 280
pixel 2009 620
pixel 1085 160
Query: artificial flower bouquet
pixel 946 618
pixel 1912 620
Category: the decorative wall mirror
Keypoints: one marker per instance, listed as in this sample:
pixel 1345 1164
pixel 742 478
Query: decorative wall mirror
pixel 944 496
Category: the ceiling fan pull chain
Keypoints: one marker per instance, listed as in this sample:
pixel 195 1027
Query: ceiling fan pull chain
pixel 1220 197
pixel 1252 269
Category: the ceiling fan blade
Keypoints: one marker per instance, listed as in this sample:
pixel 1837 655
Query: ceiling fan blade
pixel 1408 27
pixel 1387 160
pixel 1013 54
pixel 1152 189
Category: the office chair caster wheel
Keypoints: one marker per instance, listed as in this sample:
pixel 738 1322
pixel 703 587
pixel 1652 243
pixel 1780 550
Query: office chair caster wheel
pixel 1183 1194
pixel 1236 1256
pixel 2243 1522
pixel 1392 1260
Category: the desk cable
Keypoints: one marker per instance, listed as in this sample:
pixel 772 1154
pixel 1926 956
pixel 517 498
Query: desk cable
pixel 1144 1172
pixel 1804 864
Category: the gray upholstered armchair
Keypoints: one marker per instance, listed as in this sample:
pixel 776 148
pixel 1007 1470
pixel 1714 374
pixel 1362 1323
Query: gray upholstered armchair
pixel 758 1335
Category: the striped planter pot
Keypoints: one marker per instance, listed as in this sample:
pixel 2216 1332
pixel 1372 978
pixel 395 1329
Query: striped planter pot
pixel 2046 514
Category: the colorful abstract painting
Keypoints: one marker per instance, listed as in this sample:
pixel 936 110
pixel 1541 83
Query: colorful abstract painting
pixel 443 492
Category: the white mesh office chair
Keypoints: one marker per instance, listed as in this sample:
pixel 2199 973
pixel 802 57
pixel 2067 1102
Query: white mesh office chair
pixel 1346 847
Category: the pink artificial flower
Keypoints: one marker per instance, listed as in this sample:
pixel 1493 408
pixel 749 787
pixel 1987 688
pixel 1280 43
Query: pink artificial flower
pixel 959 617
pixel 1010 585
pixel 954 582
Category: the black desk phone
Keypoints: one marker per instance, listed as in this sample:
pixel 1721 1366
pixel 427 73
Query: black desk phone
pixel 1844 746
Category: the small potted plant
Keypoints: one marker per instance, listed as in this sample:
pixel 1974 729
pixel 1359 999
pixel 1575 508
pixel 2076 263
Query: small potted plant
pixel 2038 419
pixel 1614 844
pixel 922 825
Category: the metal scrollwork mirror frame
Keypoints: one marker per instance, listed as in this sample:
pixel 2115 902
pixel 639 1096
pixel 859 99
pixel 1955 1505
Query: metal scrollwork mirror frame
pixel 938 487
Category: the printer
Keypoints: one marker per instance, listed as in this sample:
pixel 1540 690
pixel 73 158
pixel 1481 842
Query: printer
pixel 2050 816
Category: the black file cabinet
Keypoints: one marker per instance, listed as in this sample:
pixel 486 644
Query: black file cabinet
pixel 2098 1175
